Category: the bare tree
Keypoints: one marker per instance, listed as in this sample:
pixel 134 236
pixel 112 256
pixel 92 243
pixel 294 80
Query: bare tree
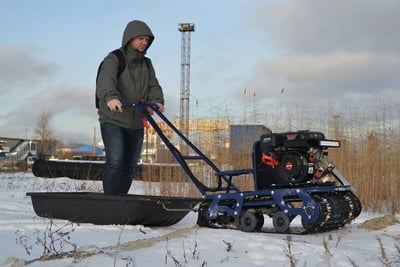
pixel 45 134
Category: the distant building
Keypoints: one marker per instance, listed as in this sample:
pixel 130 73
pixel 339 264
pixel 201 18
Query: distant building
pixel 242 137
pixel 89 149
pixel 17 148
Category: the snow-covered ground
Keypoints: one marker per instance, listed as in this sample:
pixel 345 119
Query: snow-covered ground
pixel 24 237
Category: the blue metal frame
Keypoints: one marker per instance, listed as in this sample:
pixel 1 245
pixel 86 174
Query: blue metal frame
pixel 224 178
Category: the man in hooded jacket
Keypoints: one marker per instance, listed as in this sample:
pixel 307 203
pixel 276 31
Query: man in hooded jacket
pixel 122 127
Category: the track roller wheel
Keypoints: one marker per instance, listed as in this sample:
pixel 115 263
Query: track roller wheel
pixel 260 221
pixel 281 222
pixel 201 217
pixel 309 227
pixel 223 219
pixel 248 221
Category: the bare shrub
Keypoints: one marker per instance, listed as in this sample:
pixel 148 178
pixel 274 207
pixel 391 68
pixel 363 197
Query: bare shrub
pixel 289 252
pixel 53 239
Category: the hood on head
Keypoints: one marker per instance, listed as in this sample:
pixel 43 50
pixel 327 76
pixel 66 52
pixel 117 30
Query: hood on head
pixel 136 28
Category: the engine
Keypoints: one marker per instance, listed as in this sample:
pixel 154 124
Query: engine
pixel 295 157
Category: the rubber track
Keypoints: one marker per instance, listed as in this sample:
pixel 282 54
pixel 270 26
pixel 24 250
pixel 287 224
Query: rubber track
pixel 336 210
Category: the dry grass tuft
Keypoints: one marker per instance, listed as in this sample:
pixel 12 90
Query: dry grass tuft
pixel 379 222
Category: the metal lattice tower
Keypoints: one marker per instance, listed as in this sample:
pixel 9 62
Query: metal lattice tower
pixel 186 29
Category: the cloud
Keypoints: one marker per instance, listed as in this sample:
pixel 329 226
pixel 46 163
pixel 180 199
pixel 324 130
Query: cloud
pixel 315 26
pixel 341 51
pixel 61 101
pixel 22 65
pixel 343 72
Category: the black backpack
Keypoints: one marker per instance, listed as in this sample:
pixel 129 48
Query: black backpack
pixel 121 68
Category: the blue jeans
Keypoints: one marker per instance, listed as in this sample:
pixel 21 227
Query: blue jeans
pixel 123 148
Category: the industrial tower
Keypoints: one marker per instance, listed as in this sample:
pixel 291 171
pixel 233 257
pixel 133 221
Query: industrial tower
pixel 186 29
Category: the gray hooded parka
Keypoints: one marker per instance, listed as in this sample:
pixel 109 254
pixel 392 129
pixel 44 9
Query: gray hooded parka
pixel 138 80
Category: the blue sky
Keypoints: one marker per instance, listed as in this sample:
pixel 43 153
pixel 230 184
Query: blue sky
pixel 338 54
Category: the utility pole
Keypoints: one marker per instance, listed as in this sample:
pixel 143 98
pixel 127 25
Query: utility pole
pixel 94 141
pixel 186 29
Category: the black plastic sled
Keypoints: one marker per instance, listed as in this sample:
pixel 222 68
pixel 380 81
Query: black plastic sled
pixel 97 208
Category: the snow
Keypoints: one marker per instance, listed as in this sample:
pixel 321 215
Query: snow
pixel 183 244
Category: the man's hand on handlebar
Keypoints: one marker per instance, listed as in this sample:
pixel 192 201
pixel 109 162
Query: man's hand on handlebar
pixel 115 105
pixel 160 108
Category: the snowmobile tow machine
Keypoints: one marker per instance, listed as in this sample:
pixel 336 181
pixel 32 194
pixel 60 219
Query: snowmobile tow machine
pixel 292 173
